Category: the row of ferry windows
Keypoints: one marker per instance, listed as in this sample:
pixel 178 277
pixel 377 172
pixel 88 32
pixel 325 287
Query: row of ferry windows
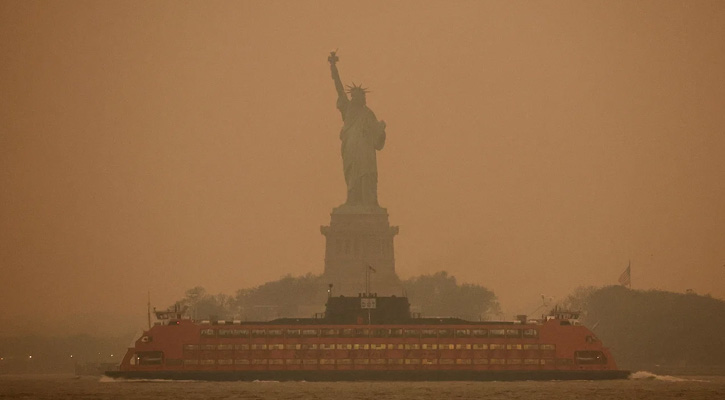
pixel 394 332
pixel 374 346
pixel 374 361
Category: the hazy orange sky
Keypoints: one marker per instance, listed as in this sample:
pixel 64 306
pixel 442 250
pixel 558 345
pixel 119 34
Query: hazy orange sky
pixel 532 147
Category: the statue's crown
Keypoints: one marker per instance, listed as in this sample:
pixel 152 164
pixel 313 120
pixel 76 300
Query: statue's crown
pixel 356 89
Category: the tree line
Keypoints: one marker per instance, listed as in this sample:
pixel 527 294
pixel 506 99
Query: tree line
pixel 656 330
pixel 437 294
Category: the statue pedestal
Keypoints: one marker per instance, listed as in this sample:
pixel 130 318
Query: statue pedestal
pixel 358 237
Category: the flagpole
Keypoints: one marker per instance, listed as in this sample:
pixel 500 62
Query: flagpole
pixel 629 268
pixel 367 280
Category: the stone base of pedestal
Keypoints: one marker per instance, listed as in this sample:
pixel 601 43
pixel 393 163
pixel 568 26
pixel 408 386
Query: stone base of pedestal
pixel 359 247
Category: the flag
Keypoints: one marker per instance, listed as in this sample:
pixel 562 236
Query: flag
pixel 626 278
pixel 371 268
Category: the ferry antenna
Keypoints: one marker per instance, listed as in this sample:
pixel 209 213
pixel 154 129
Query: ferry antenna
pixel 148 309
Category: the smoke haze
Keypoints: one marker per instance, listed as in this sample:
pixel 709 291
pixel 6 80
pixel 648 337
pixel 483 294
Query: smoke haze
pixel 532 147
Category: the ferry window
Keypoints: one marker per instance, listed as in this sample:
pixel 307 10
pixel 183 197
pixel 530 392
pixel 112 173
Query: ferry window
pixel 531 347
pixel 274 332
pixel 480 346
pixel 259 333
pixel 191 362
pixel 309 332
pixel 531 361
pixel 463 333
pixel 463 347
pixel 347 332
pixel 226 361
pixel 412 333
pixel 497 361
pixel 292 346
pixel 445 333
pixel 225 332
pixel 513 347
pixel 150 357
pixel 513 361
pixel 428 333
pixel 463 360
pixel 480 361
pixel 208 347
pixel 241 347
pixel 497 333
pixel 590 357
pixel 361 361
pixel 446 361
pixel 548 347
pixel 241 362
pixel 240 333
pixel 309 346
pixel 531 333
pixel 380 333
pixel 208 333
pixel 191 347
pixel 310 361
pixel 513 333
pixel 293 333
pixel 479 333
pixel 362 332
pixel 395 332
pixel 343 361
pixel 496 346
pixel 329 332
pixel 225 347
pixel 259 347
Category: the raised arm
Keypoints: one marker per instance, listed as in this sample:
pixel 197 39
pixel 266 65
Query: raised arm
pixel 336 75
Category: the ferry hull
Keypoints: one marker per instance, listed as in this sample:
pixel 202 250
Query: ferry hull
pixel 359 375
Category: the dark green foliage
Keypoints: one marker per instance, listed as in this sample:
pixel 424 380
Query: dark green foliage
pixel 303 296
pixel 202 305
pixel 288 297
pixel 440 295
pixel 655 328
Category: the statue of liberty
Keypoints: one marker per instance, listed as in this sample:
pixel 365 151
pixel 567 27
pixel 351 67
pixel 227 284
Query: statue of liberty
pixel 361 135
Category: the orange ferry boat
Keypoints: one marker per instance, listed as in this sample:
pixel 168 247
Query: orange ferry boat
pixel 368 338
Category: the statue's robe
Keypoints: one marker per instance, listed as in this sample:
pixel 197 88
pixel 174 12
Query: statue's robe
pixel 361 136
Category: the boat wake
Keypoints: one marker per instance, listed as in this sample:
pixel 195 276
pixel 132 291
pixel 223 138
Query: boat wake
pixel 649 376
